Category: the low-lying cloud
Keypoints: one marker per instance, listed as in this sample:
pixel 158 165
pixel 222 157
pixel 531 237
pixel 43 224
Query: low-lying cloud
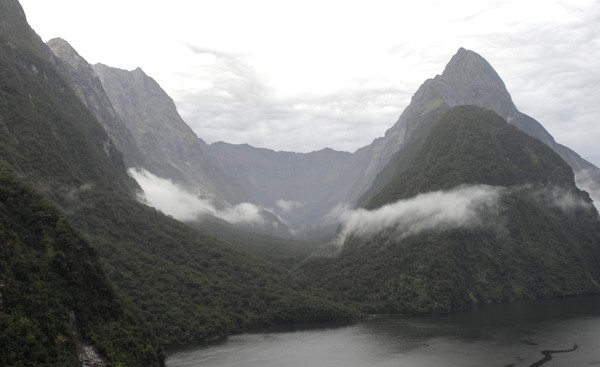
pixel 584 181
pixel 174 200
pixel 467 206
pixel 458 208
pixel 565 200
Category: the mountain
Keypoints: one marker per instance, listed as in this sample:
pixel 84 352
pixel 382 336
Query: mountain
pixel 468 79
pixel 464 209
pixel 174 150
pixel 481 212
pixel 56 299
pixel 296 186
pixel 48 136
pixel 171 149
pixel 317 182
pixel 88 88
pixel 178 283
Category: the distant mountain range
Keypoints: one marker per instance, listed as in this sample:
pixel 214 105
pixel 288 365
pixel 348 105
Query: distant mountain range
pixel 464 200
pixel 300 188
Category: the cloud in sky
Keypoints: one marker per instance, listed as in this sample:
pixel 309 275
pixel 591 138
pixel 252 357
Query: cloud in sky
pixel 312 74
pixel 174 200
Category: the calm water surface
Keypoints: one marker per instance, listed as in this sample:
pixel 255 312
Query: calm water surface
pixel 502 335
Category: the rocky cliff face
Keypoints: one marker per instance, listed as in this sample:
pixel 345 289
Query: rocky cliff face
pixel 170 146
pixel 88 88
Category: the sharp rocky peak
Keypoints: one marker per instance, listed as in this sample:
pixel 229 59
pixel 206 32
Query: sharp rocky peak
pixel 66 52
pixel 469 79
pixel 468 64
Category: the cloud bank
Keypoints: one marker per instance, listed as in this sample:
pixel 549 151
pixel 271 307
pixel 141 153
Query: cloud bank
pixel 174 200
pixel 462 207
pixel 467 206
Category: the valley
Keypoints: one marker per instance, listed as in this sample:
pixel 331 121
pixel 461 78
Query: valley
pixel 124 232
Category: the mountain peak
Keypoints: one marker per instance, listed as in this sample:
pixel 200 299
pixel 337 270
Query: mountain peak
pixel 469 65
pixel 66 52
pixel 60 42
pixel 469 79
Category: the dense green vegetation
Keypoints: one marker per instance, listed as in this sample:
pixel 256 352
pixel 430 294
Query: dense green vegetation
pixel 534 249
pixel 471 145
pixel 284 250
pixel 54 293
pixel 50 143
pixel 186 285
pixel 417 130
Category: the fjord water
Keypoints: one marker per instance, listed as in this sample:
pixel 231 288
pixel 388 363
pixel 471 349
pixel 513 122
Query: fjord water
pixel 510 334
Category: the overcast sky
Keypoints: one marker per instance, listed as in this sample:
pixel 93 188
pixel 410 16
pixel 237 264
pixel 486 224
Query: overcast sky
pixel 305 75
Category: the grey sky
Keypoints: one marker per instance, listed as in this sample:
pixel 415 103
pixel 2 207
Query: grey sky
pixel 302 76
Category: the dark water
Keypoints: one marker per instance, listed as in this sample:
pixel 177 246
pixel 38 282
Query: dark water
pixel 501 335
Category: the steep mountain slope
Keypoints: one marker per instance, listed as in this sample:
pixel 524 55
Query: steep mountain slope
pixel 56 305
pixel 51 141
pixel 181 156
pixel 183 284
pixel 481 212
pixel 89 89
pixel 173 149
pixel 471 145
pixel 48 136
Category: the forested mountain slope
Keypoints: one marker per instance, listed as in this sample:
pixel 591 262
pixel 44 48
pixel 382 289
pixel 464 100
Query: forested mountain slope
pixel 479 212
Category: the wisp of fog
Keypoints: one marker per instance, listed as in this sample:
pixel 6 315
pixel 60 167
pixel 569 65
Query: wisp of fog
pixel 585 182
pixel 174 200
pixel 466 206
pixel 460 207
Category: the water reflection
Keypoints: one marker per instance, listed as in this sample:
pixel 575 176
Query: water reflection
pixel 512 334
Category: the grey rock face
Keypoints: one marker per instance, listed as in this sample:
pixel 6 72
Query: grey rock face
pixel 88 88
pixel 172 149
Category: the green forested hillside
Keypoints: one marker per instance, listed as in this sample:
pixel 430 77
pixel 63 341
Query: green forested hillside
pixel 189 286
pixel 471 145
pixel 52 286
pixel 533 245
